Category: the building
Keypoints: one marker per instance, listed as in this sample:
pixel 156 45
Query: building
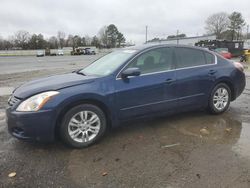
pixel 186 40
pixel 247 44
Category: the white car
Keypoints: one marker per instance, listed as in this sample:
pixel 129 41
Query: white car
pixel 60 52
pixel 40 53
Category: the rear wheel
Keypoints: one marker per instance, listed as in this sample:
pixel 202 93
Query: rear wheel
pixel 220 99
pixel 83 125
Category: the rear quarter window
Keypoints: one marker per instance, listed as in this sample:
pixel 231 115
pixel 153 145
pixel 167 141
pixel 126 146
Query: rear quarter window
pixel 210 59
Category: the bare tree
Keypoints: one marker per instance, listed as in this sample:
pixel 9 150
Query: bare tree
pixel 217 24
pixel 61 38
pixel 53 42
pixel 102 35
pixel 88 40
pixel 21 38
pixel 70 41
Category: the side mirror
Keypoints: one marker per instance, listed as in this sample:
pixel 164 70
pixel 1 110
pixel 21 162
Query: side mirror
pixel 133 71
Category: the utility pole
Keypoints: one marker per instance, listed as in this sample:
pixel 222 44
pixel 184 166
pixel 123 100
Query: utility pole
pixel 247 31
pixel 146 34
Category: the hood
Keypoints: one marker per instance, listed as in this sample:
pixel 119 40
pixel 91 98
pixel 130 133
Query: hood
pixel 51 83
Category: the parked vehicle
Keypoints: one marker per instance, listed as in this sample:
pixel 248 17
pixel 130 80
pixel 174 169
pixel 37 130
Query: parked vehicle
pixel 245 56
pixel 56 52
pixel 60 52
pixel 234 47
pixel 40 53
pixel 89 51
pixel 224 52
pixel 78 51
pixel 130 83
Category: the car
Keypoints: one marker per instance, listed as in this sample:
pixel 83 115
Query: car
pixel 40 53
pixel 127 84
pixel 224 52
pixel 89 51
pixel 60 52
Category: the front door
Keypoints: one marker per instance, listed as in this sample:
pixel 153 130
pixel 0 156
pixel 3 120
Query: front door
pixel 151 92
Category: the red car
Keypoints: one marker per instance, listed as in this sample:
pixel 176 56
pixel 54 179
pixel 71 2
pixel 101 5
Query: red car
pixel 224 52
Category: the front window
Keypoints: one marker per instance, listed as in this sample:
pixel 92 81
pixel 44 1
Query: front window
pixel 108 63
pixel 155 60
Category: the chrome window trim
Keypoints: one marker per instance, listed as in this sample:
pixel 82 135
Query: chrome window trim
pixel 145 74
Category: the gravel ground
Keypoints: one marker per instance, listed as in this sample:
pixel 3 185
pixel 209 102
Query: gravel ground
pixel 185 150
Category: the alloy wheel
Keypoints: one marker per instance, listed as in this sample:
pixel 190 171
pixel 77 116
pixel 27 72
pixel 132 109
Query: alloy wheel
pixel 84 126
pixel 221 98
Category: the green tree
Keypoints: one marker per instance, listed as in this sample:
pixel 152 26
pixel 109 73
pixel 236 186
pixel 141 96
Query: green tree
pixel 236 24
pixel 182 35
pixel 120 39
pixel 156 39
pixel 77 41
pixel 112 34
pixel 111 37
pixel 37 42
pixel 95 42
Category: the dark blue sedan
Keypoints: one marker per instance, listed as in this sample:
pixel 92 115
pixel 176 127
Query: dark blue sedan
pixel 126 84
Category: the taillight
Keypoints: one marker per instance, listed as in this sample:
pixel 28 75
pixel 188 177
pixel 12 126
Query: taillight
pixel 239 66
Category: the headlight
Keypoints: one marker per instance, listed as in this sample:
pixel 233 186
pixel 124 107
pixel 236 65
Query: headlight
pixel 36 102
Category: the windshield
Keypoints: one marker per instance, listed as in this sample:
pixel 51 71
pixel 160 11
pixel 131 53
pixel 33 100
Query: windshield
pixel 108 63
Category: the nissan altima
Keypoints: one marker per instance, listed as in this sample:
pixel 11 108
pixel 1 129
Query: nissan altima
pixel 130 83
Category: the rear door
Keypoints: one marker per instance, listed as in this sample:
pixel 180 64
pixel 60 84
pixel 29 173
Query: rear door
pixel 151 92
pixel 194 72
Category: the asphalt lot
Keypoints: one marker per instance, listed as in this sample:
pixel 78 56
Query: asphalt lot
pixel 186 150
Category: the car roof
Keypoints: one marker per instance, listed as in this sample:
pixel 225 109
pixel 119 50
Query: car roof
pixel 148 46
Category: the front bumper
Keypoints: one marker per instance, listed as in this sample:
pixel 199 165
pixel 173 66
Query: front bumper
pixel 32 126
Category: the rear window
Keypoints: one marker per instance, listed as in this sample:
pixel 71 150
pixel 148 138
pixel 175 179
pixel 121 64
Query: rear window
pixel 188 57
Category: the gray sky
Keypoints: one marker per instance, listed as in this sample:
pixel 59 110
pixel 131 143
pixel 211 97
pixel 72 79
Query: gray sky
pixel 84 17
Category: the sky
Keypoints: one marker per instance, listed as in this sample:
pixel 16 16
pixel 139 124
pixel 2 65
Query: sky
pixel 87 17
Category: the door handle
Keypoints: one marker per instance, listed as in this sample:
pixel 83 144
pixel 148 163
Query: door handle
pixel 212 72
pixel 169 81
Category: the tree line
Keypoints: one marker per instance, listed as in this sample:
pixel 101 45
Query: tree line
pixel 107 37
pixel 226 26
pixel 223 25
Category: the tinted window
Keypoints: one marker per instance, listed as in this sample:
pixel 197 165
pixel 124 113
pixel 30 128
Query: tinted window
pixel 209 58
pixel 154 61
pixel 187 57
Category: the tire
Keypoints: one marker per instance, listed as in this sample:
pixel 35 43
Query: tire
pixel 83 125
pixel 220 98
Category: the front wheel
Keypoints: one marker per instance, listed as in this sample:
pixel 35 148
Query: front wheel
pixel 83 125
pixel 219 99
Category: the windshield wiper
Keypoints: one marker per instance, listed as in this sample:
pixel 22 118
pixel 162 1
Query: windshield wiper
pixel 81 73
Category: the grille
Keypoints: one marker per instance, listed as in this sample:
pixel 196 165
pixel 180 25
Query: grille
pixel 13 100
